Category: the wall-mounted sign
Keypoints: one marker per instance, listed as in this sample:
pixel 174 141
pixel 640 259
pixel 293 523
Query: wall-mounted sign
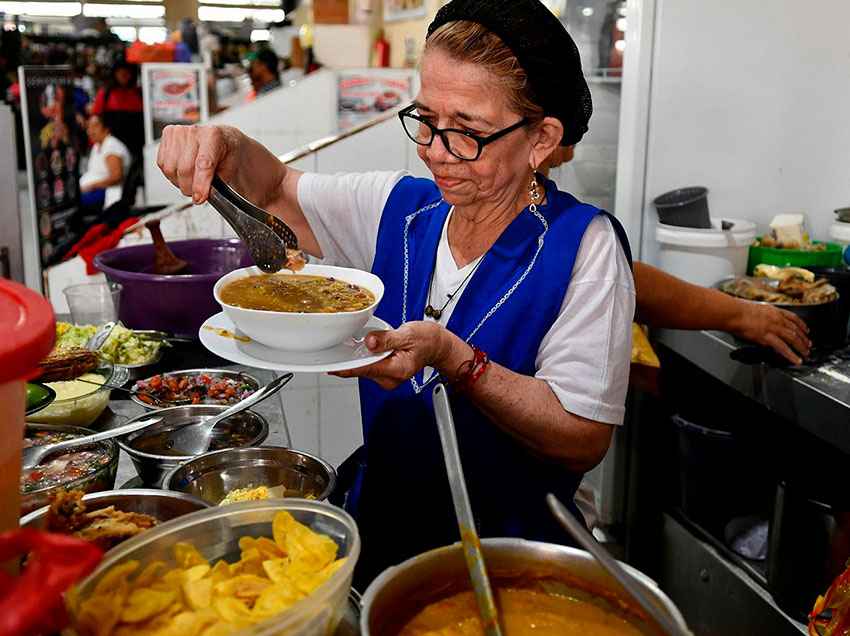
pixel 173 94
pixel 53 139
pixel 395 10
pixel 365 94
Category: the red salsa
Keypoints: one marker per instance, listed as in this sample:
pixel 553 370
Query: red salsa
pixel 194 389
pixel 61 469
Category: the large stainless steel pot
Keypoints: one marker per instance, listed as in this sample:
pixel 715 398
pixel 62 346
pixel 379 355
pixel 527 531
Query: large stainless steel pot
pixel 401 591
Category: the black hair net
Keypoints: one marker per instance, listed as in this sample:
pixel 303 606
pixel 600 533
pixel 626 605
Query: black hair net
pixel 543 48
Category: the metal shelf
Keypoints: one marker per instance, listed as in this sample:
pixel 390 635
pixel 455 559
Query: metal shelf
pixel 715 595
pixel 815 397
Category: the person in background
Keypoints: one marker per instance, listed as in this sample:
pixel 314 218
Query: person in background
pixel 109 161
pixel 264 72
pixel 121 100
pixel 664 301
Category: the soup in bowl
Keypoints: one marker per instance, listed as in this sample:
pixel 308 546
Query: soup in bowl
pixel 316 308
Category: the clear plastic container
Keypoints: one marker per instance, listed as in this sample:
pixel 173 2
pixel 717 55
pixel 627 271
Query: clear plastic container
pixel 215 532
pixel 84 409
pixel 97 480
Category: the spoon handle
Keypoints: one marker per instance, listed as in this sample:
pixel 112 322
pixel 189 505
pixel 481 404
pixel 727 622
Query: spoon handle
pixel 43 451
pixel 257 396
pixel 463 511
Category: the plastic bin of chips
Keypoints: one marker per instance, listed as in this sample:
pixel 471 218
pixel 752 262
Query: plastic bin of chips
pixel 215 534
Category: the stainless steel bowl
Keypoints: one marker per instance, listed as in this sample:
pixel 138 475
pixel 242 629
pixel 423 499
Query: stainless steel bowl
pixel 153 465
pixel 100 479
pixel 212 475
pixel 160 504
pixel 218 373
pixel 401 591
pixel 139 371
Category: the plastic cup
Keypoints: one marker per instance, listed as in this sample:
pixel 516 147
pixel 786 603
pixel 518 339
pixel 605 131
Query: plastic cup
pixel 93 303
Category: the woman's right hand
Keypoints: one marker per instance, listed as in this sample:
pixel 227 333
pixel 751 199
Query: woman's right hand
pixel 189 157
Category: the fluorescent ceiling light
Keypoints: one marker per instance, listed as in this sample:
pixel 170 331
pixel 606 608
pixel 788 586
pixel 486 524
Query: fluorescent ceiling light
pixel 260 35
pixel 244 3
pixel 126 33
pixel 234 14
pixel 62 9
pixel 123 10
pixel 587 12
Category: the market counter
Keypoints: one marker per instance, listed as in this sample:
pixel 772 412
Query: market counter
pixel 183 357
pixel 816 396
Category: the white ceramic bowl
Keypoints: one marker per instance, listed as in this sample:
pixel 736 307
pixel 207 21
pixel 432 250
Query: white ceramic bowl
pixel 293 331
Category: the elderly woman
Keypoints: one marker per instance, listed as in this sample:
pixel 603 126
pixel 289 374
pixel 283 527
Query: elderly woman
pixel 511 291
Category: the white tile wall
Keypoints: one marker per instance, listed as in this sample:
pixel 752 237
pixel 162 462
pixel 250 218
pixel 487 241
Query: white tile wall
pixel 301 406
pixel 340 431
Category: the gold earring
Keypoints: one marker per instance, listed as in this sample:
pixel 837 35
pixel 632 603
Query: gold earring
pixel 534 193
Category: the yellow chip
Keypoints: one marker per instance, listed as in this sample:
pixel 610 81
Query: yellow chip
pixel 276 569
pixel 220 572
pixel 314 550
pixel 270 548
pixel 301 543
pixel 183 624
pixel 198 594
pixel 196 572
pixel 308 583
pixel 220 629
pixel 149 574
pixel 244 586
pixel 186 555
pixel 275 599
pixel 145 603
pixel 231 609
pixel 116 578
pixel 99 614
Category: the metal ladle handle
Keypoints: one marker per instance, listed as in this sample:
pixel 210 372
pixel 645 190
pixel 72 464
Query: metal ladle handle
pixel 463 510
pixel 586 541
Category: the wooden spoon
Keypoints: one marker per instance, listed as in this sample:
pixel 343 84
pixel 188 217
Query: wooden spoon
pixel 164 260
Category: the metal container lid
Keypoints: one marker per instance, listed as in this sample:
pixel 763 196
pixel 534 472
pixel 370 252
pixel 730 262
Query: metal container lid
pixel 28 328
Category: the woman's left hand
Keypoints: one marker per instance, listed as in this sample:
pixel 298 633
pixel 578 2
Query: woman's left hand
pixel 414 345
pixel 769 326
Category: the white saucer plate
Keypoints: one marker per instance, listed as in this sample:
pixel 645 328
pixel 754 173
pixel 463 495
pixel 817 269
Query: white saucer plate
pixel 351 354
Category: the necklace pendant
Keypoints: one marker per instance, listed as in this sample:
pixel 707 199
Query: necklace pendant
pixel 430 312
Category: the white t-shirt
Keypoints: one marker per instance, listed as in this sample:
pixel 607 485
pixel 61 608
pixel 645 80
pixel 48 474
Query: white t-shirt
pixel 585 355
pixel 97 168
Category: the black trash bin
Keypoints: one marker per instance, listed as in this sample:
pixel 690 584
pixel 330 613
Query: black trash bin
pixel 685 207
pixel 718 479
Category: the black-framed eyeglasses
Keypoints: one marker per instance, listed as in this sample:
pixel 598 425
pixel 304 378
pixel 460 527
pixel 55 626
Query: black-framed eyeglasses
pixel 460 143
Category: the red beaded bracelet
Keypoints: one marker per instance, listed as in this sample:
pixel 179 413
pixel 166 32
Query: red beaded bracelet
pixel 470 371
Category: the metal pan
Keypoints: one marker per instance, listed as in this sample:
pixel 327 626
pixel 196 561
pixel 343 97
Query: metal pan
pixel 218 373
pixel 826 328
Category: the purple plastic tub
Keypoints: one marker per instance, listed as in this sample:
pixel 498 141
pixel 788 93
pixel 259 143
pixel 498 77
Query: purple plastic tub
pixel 176 304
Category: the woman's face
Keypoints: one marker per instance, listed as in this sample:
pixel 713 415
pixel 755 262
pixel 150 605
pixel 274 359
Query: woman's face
pixel 123 76
pixel 461 95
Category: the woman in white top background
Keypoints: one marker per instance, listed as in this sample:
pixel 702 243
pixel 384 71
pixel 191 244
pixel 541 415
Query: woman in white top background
pixel 109 161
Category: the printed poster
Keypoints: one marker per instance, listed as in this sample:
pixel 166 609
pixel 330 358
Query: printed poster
pixel 54 138
pixel 363 95
pixel 173 94
pixel 395 10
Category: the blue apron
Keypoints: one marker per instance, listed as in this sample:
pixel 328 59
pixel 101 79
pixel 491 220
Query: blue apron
pixel 400 495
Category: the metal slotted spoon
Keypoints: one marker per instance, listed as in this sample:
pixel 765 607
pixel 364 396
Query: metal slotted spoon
pixel 266 236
